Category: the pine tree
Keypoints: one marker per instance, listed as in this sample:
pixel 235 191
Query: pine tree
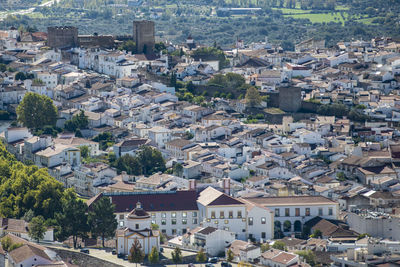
pixel 154 256
pixel 102 219
pixel 136 254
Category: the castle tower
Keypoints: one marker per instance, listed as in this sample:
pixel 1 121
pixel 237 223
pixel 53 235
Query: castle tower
pixel 144 36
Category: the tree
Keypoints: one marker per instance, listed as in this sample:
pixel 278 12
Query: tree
pixel 176 255
pixel 36 111
pixel 154 256
pixel 253 98
pixel 85 151
pixel 28 216
pixel 130 164
pixel 37 228
pixel 8 245
pixel 178 169
pixel 102 219
pixel 172 80
pixel 129 46
pixel 279 245
pixel 72 220
pixel 105 140
pixel 308 256
pixel 265 247
pixel 78 121
pixel 136 254
pixel 20 76
pixel 229 255
pixel 317 234
pixel 151 160
pixel 201 256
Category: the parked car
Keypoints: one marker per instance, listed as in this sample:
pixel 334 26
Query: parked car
pixel 190 265
pixel 120 255
pixel 84 250
pixel 126 257
pixel 114 251
pixel 209 265
pixel 225 264
pixel 213 260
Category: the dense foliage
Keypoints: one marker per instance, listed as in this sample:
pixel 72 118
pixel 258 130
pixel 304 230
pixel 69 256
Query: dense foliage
pixel 102 219
pixel 78 121
pixel 24 188
pixel 148 161
pixel 36 111
pixel 285 22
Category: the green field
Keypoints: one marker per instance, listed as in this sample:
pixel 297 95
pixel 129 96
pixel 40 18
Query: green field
pixel 320 17
pixel 288 11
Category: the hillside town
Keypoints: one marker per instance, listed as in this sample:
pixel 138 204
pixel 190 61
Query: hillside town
pixel 254 156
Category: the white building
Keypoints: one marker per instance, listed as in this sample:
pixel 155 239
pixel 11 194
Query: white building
pixel 292 212
pixel 138 229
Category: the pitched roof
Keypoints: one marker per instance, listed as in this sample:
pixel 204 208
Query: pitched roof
pixel 292 200
pixel 284 257
pixel 207 230
pixel 153 201
pixel 212 197
pixel 27 251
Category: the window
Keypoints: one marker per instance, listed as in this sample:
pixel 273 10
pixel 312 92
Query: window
pixel 226 228
pixel 213 215
pixel 153 215
pixel 297 211
pixel 184 214
pixel 216 221
pixel 153 222
pixel 173 221
pixel 221 214
pixel 263 235
pixel 163 222
pixel 287 212
pixel 320 212
pixel 121 216
pixel 226 221
pixel 263 220
pixel 173 215
pixel 239 214
pixel 276 212
pixel 137 226
pixel 208 220
pixel 174 231
pixel 163 231
pixel 308 213
pixel 250 220
pixel 195 221
pixel 184 221
pixel 121 224
pixel 163 215
pixel 194 213
pixel 230 214
pixel 184 231
pixel 330 211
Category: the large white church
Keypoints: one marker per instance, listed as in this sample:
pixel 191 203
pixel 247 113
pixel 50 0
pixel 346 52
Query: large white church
pixel 138 226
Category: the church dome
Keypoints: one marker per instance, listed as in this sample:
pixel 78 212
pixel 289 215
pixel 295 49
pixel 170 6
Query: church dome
pixel 138 213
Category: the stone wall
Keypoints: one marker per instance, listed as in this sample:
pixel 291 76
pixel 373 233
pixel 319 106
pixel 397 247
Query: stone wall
pixel 82 259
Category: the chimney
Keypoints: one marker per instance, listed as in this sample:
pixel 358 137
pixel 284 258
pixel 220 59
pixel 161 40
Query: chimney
pixel 226 184
pixel 192 185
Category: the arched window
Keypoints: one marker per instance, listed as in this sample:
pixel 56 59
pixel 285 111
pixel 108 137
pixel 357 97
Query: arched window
pixel 287 226
pixel 297 226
